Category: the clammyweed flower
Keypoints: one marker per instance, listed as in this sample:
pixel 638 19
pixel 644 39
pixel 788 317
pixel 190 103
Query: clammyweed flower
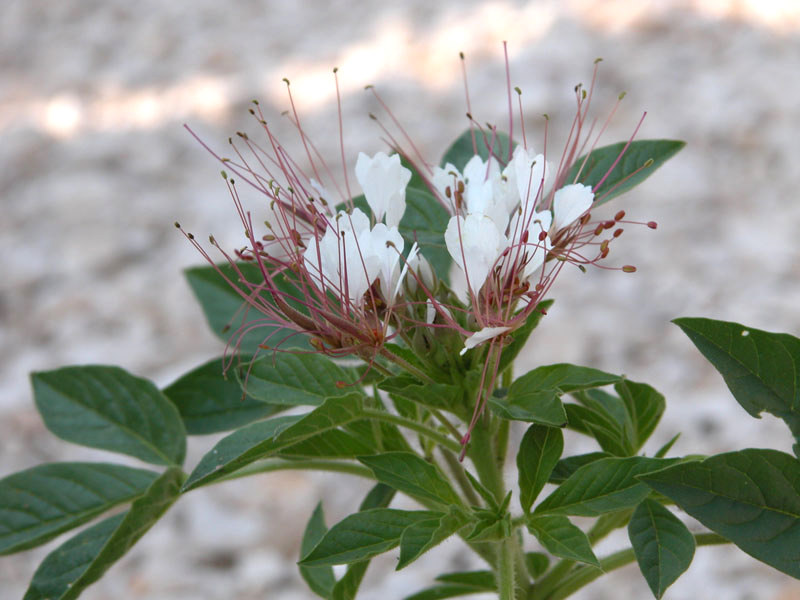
pixel 517 218
pixel 327 269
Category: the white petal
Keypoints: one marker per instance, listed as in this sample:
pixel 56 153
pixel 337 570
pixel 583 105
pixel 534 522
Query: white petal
pixel 430 311
pixel 531 175
pixel 475 170
pixel 475 243
pixel 446 178
pixel 356 221
pixel 570 203
pixel 384 179
pixel 386 244
pixel 481 336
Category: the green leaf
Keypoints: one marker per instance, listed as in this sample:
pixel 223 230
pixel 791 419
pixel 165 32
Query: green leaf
pixel 565 378
pixel 63 565
pixel 541 407
pixel 536 563
pixel 347 587
pixel 538 454
pixel 412 475
pixel 297 379
pixel 40 503
pixel 108 408
pixel 331 444
pixel 661 452
pixel 534 396
pixel 266 438
pixel 67 571
pixel 636 157
pixel 602 486
pixel 604 417
pixel 458 584
pixel 435 395
pixel 561 538
pixel 480 580
pixel 226 310
pixel 440 592
pixel 319 579
pixel 645 407
pixel 209 402
pixel 425 221
pixel 424 535
pixel 520 336
pixel 463 149
pixel 762 369
pixel 664 547
pixel 416 181
pixel 751 497
pixel 363 535
pixel 567 466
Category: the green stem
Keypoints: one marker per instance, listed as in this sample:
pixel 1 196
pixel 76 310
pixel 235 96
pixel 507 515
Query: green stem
pixel 481 451
pixel 270 465
pixel 457 469
pixel 505 569
pixel 447 424
pixel 501 443
pixel 585 575
pixel 440 438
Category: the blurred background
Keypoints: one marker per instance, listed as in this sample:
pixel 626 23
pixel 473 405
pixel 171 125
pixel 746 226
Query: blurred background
pixel 95 167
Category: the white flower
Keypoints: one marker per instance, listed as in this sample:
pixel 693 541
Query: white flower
pixel 351 256
pixel 535 250
pixel 475 243
pixel 481 336
pixel 530 174
pixel 386 244
pixel 570 203
pixel 384 182
pixel 344 259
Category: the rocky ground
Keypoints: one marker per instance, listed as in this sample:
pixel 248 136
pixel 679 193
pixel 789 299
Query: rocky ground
pixel 95 167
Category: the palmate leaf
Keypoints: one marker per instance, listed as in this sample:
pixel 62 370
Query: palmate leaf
pixel 538 454
pixel 296 379
pixel 761 369
pixel 365 534
pixel 424 535
pixel 267 438
pixel 108 408
pixel 604 417
pixel 413 475
pixel 663 546
pixel 319 579
pixel 380 496
pixel 83 559
pixel 39 503
pixel 209 402
pixel 561 538
pixel 621 179
pixel 567 466
pixel 751 497
pixel 458 584
pixel 602 486
pixel 534 397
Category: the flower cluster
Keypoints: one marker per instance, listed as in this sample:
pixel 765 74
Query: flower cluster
pixel 338 268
